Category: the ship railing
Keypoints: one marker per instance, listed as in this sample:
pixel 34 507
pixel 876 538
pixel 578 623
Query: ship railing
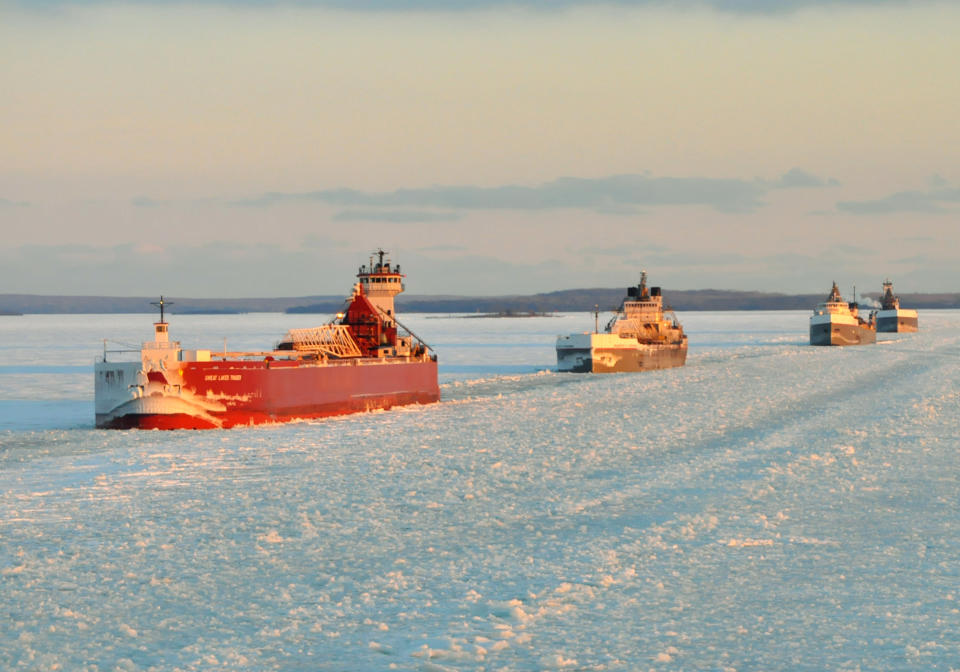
pixel 333 340
pixel 116 352
pixel 124 349
pixel 161 345
pixel 258 357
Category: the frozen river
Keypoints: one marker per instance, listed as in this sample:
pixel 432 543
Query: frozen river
pixel 770 506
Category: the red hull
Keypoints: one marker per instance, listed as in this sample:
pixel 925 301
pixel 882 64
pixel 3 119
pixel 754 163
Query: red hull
pixel 223 394
pixel 362 362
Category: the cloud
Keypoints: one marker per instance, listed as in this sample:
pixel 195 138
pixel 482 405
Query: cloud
pixel 599 194
pixel 252 269
pixel 7 203
pixel 850 250
pixel 683 260
pixel 904 201
pixel 621 211
pixel 787 6
pixel 915 260
pixel 147 202
pixel 612 251
pixel 238 269
pixel 797 177
pixel 443 248
pixel 727 6
pixel 320 242
pixel 229 268
pixel 398 216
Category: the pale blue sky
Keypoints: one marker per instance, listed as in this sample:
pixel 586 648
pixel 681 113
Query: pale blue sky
pixel 264 149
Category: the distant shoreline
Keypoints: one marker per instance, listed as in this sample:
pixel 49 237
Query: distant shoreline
pixel 571 300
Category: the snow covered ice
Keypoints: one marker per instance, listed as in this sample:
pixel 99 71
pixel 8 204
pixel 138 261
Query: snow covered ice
pixel 770 506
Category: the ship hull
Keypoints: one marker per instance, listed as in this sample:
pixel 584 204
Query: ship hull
pixel 583 355
pixel 841 334
pixel 893 321
pixel 223 394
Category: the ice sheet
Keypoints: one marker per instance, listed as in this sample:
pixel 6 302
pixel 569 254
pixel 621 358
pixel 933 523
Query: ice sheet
pixel 769 506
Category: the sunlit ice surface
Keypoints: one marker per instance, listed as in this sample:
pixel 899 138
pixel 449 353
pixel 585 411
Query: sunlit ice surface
pixel 771 505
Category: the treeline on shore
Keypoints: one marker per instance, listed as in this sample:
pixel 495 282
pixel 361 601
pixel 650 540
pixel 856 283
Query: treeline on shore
pixel 561 301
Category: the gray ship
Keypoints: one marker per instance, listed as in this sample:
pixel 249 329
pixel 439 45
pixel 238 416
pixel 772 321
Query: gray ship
pixel 836 322
pixel 640 336
pixel 891 317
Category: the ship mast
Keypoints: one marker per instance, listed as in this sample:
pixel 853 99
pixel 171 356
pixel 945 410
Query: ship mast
pixel 160 328
pixel 160 304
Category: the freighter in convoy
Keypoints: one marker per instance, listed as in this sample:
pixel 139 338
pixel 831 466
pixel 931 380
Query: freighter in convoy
pixel 891 317
pixel 640 336
pixel 358 362
pixel 836 322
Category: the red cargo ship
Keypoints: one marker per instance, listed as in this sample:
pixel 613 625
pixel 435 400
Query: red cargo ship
pixel 359 362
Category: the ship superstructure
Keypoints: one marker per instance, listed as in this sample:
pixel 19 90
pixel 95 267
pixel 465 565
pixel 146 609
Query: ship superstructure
pixel 362 360
pixel 640 336
pixel 837 322
pixel 891 317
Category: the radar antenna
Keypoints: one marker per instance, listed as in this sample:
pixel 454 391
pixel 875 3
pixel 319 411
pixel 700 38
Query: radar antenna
pixel 160 304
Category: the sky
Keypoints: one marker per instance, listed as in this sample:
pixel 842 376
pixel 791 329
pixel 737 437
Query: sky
pixel 234 148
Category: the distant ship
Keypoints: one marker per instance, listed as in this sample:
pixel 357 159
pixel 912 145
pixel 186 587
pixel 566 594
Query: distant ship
pixel 836 322
pixel 640 337
pixel 891 317
pixel 359 362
